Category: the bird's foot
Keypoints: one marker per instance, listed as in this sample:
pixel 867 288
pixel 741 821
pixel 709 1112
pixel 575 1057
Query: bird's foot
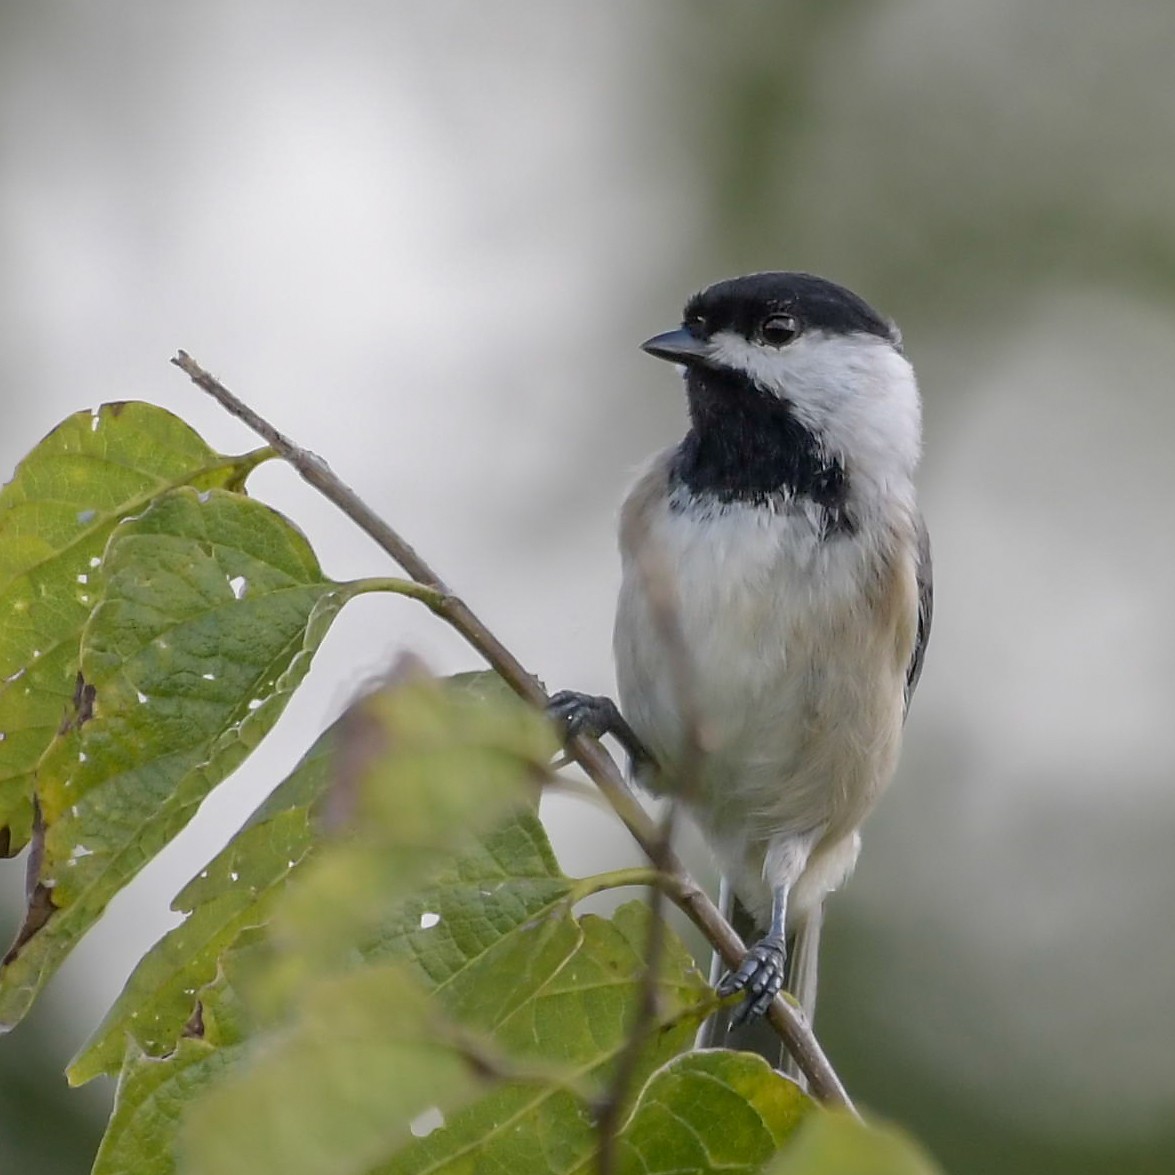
pixel 591 714
pixel 760 975
pixel 595 716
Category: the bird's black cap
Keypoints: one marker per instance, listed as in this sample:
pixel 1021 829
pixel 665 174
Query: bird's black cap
pixel 741 303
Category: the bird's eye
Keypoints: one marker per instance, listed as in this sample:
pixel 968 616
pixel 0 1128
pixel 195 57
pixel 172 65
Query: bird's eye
pixel 779 329
pixel 695 324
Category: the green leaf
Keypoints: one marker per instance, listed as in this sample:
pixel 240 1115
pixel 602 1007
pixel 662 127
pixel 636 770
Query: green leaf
pixel 237 889
pixel 522 991
pixel 368 1056
pixel 213 607
pixel 491 932
pixel 421 771
pixel 234 892
pixel 529 1006
pixel 505 896
pixel 154 1092
pixel 56 515
pixel 836 1144
pixel 712 1111
pixel 418 771
pixel 573 1006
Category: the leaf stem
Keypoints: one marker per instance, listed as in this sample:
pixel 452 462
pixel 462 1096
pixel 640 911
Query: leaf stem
pixel 249 461
pixel 584 887
pixel 429 596
pixel 788 1021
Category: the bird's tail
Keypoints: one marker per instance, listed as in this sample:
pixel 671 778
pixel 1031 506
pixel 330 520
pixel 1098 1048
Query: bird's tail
pixel 803 958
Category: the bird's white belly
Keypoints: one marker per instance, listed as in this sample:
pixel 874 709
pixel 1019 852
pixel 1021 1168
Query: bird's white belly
pixel 800 702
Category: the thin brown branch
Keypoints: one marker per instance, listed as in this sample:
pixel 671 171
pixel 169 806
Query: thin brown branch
pixel 791 1024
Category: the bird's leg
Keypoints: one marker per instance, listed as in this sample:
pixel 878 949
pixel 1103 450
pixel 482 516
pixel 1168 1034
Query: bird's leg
pixel 594 715
pixel 761 972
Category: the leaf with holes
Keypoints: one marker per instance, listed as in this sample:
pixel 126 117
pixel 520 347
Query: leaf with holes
pixel 154 1092
pixel 368 1057
pixel 572 1003
pixel 363 1066
pixel 497 909
pixel 212 609
pixel 56 515
pixel 423 774
pixel 523 992
pixel 493 935
pixel 232 894
pixel 237 889
pixel 411 773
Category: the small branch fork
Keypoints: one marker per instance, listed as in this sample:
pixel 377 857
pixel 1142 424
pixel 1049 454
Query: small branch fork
pixel 787 1020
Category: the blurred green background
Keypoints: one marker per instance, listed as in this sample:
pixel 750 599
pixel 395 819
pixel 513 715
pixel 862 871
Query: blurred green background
pixel 426 239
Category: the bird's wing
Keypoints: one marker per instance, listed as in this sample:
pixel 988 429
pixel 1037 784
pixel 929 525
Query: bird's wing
pixel 925 574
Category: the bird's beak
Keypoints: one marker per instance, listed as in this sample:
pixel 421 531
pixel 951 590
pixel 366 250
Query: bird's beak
pixel 678 346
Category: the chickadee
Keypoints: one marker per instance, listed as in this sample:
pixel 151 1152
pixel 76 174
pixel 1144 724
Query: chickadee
pixel 786 526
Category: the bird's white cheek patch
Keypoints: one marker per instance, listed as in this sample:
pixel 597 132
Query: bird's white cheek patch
pixel 767 366
pixel 855 393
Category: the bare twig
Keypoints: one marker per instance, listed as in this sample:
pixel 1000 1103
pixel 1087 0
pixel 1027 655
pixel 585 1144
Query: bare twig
pixel 596 762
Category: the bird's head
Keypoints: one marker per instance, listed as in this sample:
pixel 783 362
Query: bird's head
pixel 754 345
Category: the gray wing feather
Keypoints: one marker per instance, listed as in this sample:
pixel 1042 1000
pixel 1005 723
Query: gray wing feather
pixel 925 574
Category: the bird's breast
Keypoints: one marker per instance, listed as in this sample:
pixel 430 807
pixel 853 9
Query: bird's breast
pixel 794 651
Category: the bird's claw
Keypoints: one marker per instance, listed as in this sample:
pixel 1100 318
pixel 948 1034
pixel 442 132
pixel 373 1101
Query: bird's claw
pixel 760 975
pixel 590 714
